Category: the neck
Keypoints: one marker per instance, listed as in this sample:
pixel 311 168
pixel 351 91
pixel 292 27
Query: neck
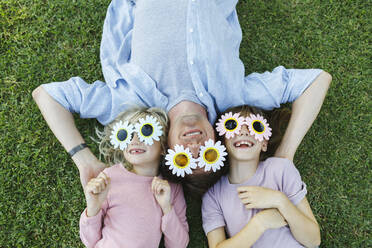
pixel 186 108
pixel 241 171
pixel 146 170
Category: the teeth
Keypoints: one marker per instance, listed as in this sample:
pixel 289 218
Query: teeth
pixel 193 133
pixel 136 151
pixel 249 144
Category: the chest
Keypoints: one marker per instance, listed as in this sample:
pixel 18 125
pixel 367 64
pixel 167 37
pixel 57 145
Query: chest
pixel 136 204
pixel 234 211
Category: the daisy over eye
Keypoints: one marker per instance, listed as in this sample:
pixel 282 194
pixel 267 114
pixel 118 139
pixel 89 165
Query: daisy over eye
pixel 121 135
pixel 180 161
pixel 212 156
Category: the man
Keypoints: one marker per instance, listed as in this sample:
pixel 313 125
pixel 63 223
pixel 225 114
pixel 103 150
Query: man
pixel 182 56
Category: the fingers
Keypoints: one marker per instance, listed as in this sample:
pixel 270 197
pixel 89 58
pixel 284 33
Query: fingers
pixel 248 189
pixel 98 184
pixel 245 195
pixel 158 185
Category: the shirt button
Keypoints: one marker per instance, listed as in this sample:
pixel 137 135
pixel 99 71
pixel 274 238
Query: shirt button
pixel 191 30
pixel 191 62
pixel 201 94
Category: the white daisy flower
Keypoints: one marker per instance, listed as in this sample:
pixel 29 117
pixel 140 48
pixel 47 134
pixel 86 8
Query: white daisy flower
pixel 121 135
pixel 180 161
pixel 148 130
pixel 212 156
pixel 229 124
pixel 258 127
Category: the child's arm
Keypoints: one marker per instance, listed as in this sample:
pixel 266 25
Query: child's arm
pixel 261 222
pixel 300 218
pixel 92 218
pixel 174 223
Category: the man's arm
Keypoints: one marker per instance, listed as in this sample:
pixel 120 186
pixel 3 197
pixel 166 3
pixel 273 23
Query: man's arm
pixel 304 111
pixel 62 124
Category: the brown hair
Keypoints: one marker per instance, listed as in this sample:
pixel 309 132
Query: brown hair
pixel 277 119
pixel 198 184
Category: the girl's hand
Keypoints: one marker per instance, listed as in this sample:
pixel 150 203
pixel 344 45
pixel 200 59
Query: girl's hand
pixel 96 193
pixel 162 192
pixel 260 197
pixel 270 218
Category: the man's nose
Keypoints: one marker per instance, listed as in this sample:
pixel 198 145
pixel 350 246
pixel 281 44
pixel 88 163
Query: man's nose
pixel 194 149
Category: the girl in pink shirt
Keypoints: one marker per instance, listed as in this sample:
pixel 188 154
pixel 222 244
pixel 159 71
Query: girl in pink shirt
pixel 258 203
pixel 129 204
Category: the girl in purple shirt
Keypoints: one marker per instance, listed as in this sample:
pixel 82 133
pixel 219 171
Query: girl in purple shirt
pixel 258 203
pixel 129 204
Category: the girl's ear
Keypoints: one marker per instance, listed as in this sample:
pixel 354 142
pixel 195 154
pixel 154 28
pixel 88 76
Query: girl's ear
pixel 264 145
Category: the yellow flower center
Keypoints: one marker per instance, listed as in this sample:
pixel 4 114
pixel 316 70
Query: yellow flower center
pixel 181 160
pixel 211 155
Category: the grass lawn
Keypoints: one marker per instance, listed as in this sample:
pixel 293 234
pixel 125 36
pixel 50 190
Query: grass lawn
pixel 43 41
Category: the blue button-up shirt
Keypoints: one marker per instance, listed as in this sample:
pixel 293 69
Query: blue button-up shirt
pixel 217 73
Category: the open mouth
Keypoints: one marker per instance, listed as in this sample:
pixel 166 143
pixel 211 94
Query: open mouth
pixel 192 133
pixel 243 144
pixel 136 151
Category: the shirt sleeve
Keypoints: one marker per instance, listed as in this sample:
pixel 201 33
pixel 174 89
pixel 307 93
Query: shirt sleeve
pixel 279 86
pixel 87 100
pixel 211 212
pixel 174 224
pixel 292 184
pixel 91 228
pixel 97 100
pixel 227 7
pixel 116 40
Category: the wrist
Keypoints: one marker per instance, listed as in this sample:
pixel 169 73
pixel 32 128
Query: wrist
pixel 281 201
pixel 166 209
pixel 92 211
pixel 258 223
pixel 84 158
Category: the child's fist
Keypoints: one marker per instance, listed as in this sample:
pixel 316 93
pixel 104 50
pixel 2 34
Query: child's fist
pixel 162 192
pixel 96 192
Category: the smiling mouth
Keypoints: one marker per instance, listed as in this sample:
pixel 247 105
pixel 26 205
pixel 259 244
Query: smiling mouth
pixel 192 133
pixel 136 151
pixel 243 144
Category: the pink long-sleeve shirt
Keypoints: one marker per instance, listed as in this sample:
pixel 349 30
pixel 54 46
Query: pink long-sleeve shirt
pixel 131 217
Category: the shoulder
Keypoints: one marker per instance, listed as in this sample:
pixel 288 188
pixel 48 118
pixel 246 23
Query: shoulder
pixel 278 164
pixel 278 168
pixel 113 170
pixel 216 190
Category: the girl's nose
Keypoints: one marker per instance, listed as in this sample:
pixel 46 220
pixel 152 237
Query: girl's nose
pixel 244 130
pixel 135 140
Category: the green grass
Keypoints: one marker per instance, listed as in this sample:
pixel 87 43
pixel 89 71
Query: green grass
pixel 43 41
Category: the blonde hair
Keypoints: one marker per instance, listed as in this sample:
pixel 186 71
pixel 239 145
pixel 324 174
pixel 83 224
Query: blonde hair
pixel 114 156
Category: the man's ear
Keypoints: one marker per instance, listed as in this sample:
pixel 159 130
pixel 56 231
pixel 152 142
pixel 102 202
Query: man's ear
pixel 264 145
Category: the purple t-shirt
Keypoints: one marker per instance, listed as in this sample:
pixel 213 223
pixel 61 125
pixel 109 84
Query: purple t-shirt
pixel 222 207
